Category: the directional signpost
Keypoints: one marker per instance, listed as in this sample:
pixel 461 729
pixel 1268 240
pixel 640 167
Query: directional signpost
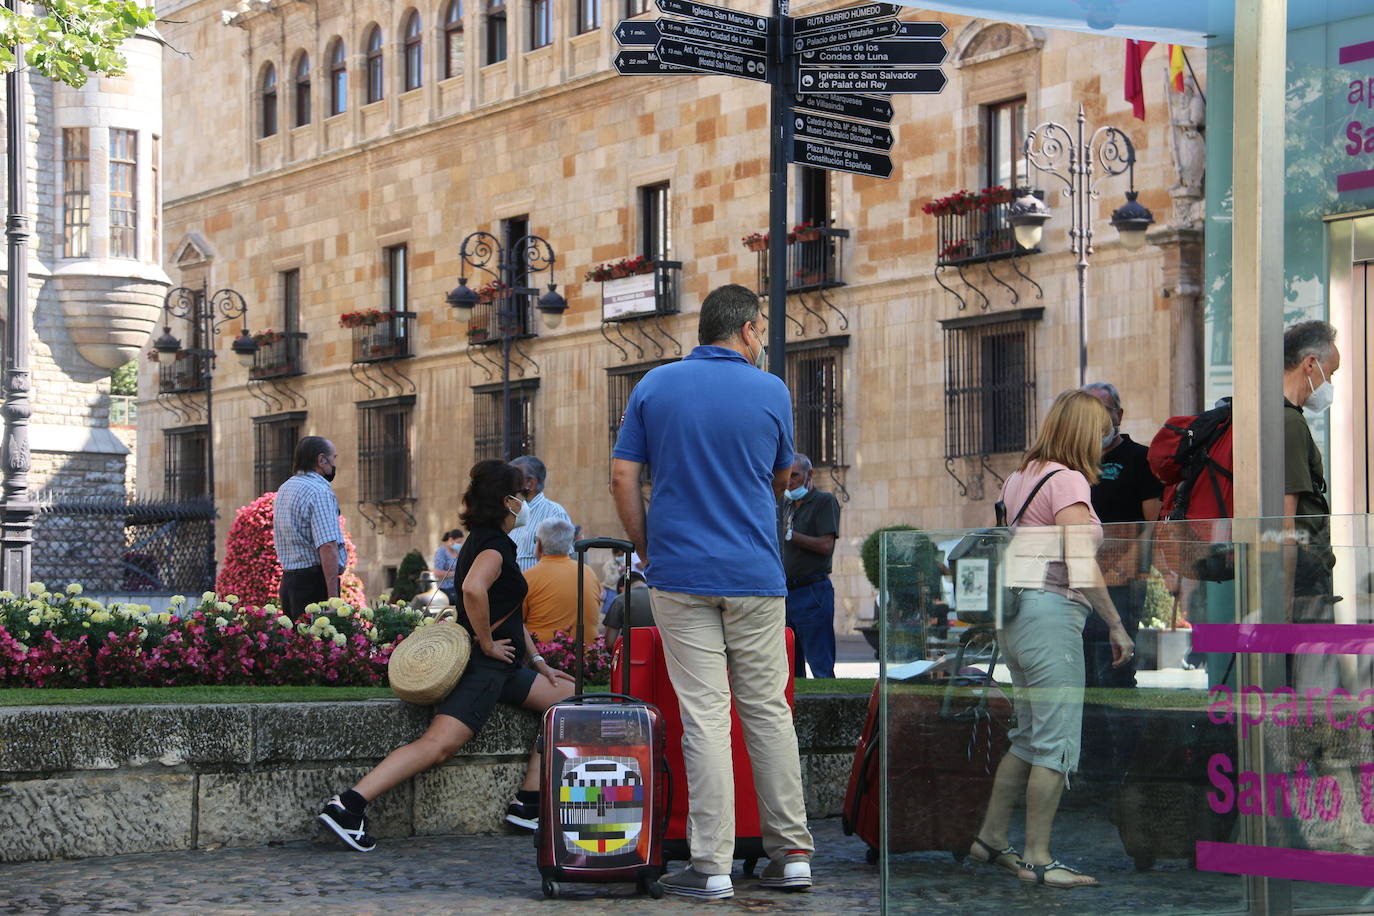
pixel 831 74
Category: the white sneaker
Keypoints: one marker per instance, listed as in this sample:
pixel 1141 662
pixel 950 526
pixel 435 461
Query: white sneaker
pixel 691 883
pixel 792 872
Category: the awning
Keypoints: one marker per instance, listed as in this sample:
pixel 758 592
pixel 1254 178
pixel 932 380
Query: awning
pixel 1196 23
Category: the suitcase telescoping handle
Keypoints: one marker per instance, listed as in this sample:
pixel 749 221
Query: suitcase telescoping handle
pixel 618 545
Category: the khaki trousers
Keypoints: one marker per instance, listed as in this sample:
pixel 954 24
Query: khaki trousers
pixel 715 645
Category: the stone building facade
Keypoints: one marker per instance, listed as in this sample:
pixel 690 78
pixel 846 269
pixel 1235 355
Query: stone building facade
pixel 915 391
pixel 95 281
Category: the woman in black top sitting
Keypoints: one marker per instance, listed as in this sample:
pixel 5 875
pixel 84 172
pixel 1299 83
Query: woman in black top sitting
pixel 493 590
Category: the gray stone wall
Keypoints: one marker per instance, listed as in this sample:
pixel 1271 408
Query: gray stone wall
pixel 95 781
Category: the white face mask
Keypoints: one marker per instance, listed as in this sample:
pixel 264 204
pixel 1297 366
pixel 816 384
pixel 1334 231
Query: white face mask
pixel 1319 401
pixel 760 360
pixel 522 517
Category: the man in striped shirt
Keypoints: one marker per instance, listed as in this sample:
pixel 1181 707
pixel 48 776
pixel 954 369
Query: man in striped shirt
pixel 305 528
pixel 541 509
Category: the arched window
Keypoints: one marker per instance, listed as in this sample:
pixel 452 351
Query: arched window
pixel 453 39
pixel 414 69
pixel 302 90
pixel 269 101
pixel 338 78
pixel 376 85
pixel 496 31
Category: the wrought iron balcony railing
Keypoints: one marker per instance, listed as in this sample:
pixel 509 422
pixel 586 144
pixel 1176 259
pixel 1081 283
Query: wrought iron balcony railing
pixel 484 328
pixel 977 235
pixel 281 357
pixel 392 338
pixel 185 375
pixel 815 260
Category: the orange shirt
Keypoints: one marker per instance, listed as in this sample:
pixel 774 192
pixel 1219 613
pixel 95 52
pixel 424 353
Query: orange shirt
pixel 552 600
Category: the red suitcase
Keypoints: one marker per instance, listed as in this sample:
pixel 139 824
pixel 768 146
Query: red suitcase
pixel 602 779
pixel 945 741
pixel 649 679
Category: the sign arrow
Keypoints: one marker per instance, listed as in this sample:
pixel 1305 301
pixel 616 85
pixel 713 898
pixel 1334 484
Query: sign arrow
pixel 840 158
pixel 845 15
pixel 862 32
pixel 895 53
pixel 636 33
pixel 716 14
pixel 922 30
pixel 643 62
pixel 926 81
pixel 710 59
pixel 852 133
pixel 714 35
pixel 849 106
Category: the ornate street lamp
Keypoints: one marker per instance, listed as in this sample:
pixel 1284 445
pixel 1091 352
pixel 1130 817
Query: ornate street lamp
pixel 1111 149
pixel 524 256
pixel 207 314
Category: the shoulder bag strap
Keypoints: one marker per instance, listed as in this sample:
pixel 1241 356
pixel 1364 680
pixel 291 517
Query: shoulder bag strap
pixel 1029 499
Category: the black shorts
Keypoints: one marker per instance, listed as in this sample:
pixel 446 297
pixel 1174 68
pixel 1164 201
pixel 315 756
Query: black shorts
pixel 483 684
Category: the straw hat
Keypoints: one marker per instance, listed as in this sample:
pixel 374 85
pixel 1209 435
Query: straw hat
pixel 428 662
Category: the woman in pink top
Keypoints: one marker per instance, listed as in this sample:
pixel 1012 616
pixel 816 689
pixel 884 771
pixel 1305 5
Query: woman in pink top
pixel 1051 570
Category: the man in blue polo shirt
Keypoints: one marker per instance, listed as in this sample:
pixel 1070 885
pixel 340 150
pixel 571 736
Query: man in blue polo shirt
pixel 717 433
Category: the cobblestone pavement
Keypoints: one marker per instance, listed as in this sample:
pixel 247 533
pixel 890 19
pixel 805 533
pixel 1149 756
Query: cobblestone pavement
pixel 495 876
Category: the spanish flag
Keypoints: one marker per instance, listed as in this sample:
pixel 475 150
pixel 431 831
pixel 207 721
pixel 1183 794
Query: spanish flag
pixel 1135 84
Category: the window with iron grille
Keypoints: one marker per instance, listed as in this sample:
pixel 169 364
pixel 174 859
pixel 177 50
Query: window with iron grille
pixel 513 231
pixel 274 445
pixel 990 382
pixel 384 456
pixel 815 374
pixel 453 39
pixel 488 414
pixel 620 382
pixel 123 194
pixel 588 15
pixel 76 192
pixel 184 475
pixel 496 31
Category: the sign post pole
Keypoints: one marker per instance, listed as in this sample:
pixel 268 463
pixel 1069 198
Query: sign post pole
pixel 780 133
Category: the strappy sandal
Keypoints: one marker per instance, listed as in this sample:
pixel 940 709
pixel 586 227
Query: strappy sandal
pixel 995 856
pixel 1040 870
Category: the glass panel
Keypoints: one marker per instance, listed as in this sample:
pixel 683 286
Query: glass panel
pixel 76 192
pixel 123 193
pixel 1234 741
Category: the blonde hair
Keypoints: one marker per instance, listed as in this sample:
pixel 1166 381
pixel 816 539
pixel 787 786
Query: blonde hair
pixel 1072 434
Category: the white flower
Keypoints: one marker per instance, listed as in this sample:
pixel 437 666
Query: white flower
pixel 178 600
pixel 101 617
pixel 284 622
pixel 372 635
pixel 164 618
pixel 208 596
pixel 231 599
pixel 312 608
pixel 37 588
pixel 346 612
pixel 223 607
pixel 366 614
pixel 74 588
pixel 339 639
pixel 6 595
pixel 35 619
pixel 221 622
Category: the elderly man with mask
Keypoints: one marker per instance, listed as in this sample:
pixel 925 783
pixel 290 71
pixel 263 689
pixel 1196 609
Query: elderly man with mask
pixel 808 526
pixel 541 509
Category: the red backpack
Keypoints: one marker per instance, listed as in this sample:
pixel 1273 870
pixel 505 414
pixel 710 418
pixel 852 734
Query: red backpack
pixel 1191 456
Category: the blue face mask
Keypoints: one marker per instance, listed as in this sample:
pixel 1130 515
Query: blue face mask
pixel 796 494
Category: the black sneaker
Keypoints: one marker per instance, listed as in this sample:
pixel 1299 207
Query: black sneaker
pixel 349 827
pixel 523 815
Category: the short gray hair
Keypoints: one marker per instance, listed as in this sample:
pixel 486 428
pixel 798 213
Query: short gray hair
pixel 531 466
pixel 724 311
pixel 555 535
pixel 1109 389
pixel 1307 338
pixel 805 462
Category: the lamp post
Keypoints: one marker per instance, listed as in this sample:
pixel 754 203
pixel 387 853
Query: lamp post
pixel 207 314
pixel 522 257
pixel 1110 149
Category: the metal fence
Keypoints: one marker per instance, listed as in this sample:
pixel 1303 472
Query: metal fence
pixel 114 545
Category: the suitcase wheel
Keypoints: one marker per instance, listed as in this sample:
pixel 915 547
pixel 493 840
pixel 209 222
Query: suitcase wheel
pixel 749 866
pixel 651 887
pixel 551 888
pixel 871 855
